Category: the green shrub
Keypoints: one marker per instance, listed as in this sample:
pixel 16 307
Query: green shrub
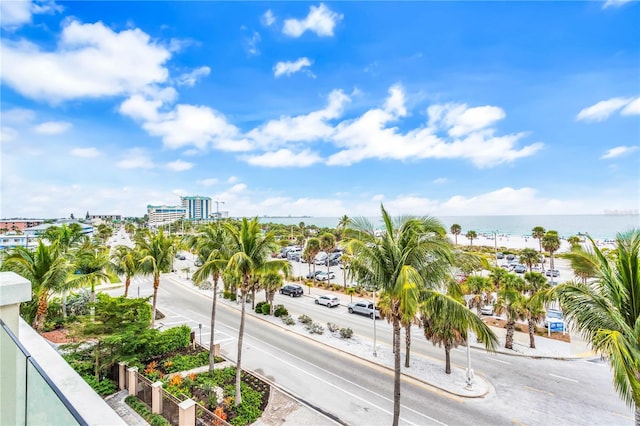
pixel 229 295
pixel 103 387
pixel 346 333
pixel 161 342
pixel 142 409
pixel 265 308
pixel 280 311
pixel 305 319
pixel 259 307
pixel 333 327
pixel 315 328
pixel 185 362
pixel 287 320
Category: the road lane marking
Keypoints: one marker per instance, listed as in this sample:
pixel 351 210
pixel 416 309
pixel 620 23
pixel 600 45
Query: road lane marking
pixel 565 378
pixel 497 360
pixel 539 390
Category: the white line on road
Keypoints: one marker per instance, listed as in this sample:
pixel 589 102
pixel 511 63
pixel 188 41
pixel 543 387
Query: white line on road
pixel 565 378
pixel 497 360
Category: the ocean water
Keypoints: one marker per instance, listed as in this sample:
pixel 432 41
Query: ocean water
pixel 599 227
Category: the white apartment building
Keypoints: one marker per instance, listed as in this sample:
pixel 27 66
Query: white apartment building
pixel 162 215
pixel 197 207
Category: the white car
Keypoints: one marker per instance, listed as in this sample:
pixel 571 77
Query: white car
pixel 323 276
pixel 486 310
pixel 327 300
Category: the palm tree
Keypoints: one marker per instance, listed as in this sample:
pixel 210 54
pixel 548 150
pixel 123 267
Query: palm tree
pixel 313 248
pixel 210 244
pixel 511 302
pixel 47 269
pixel 607 313
pixel 497 276
pixel 328 243
pixel 344 222
pixel 583 262
pixel 409 256
pixel 551 243
pixel 574 241
pixel 445 324
pixel 535 288
pixel 125 261
pixel 538 232
pixel 271 282
pixel 471 235
pixel 456 230
pixel 480 287
pixel 92 264
pixel 67 236
pixel 156 251
pixel 529 257
pixel 251 252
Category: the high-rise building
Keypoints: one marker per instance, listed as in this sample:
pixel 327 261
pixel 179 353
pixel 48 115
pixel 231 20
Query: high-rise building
pixel 162 215
pixel 197 207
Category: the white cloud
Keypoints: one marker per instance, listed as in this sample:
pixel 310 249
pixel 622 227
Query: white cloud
pixel 320 20
pixel 179 166
pixel 140 108
pixel 190 79
pixel 16 13
pixel 602 110
pixel 440 180
pixel 89 61
pixel 238 187
pixel 459 120
pixel 268 18
pixel 284 158
pixel 232 179
pixel 18 116
pixel 52 127
pixel 378 197
pixel 208 182
pixel 85 152
pixel 8 134
pixel 288 67
pixel 615 3
pixel 618 152
pixel 632 108
pixel 252 44
pixel 135 159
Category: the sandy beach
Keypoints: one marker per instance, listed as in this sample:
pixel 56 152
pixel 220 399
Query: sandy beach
pixel 505 241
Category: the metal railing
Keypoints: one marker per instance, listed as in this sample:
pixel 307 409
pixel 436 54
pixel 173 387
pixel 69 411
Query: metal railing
pixel 29 396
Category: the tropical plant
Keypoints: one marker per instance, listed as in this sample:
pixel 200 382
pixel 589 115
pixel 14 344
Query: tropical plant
pixel 456 230
pixel 511 302
pixel 67 236
pixel 251 250
pixel 46 268
pixel 529 257
pixel 125 261
pixel 92 264
pixel 313 248
pixel 471 235
pixel 607 313
pixel 583 262
pixel 497 276
pixel 407 261
pixel 574 241
pixel 480 289
pixel 538 232
pixel 327 243
pixel 535 288
pixel 551 243
pixel 210 244
pixel 271 282
pixel 156 252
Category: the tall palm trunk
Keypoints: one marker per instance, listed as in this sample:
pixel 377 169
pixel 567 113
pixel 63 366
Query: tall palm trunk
pixel 243 296
pixel 212 348
pixel 64 304
pixel 511 325
pixel 447 358
pixel 532 330
pixel 637 415
pixel 156 284
pixel 396 364
pixel 38 321
pixel 407 343
pixel 127 283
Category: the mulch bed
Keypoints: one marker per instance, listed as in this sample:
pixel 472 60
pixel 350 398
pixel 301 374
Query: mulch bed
pixel 59 335
pixel 540 331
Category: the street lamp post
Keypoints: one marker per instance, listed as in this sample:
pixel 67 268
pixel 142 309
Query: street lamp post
pixel 495 242
pixel 374 322
pixel 469 370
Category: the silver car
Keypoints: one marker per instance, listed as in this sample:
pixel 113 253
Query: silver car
pixel 363 307
pixel 327 300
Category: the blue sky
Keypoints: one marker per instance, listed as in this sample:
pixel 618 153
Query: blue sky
pixel 321 109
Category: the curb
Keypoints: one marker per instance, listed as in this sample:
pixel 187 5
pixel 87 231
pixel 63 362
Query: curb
pixel 354 355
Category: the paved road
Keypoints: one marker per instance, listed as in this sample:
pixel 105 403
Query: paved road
pixel 526 391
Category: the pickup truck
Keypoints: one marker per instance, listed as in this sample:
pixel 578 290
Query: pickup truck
pixel 363 307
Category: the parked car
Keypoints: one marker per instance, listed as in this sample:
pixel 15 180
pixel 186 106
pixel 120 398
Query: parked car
pixel 294 257
pixel 519 269
pixel 500 255
pixel 363 307
pixel 197 262
pixel 312 274
pixel 323 276
pixel 320 258
pixel 327 300
pixel 511 256
pixel 553 315
pixel 292 290
pixel 550 272
pixel 486 310
pixel 182 257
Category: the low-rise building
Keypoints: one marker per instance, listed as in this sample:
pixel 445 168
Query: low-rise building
pixel 162 215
